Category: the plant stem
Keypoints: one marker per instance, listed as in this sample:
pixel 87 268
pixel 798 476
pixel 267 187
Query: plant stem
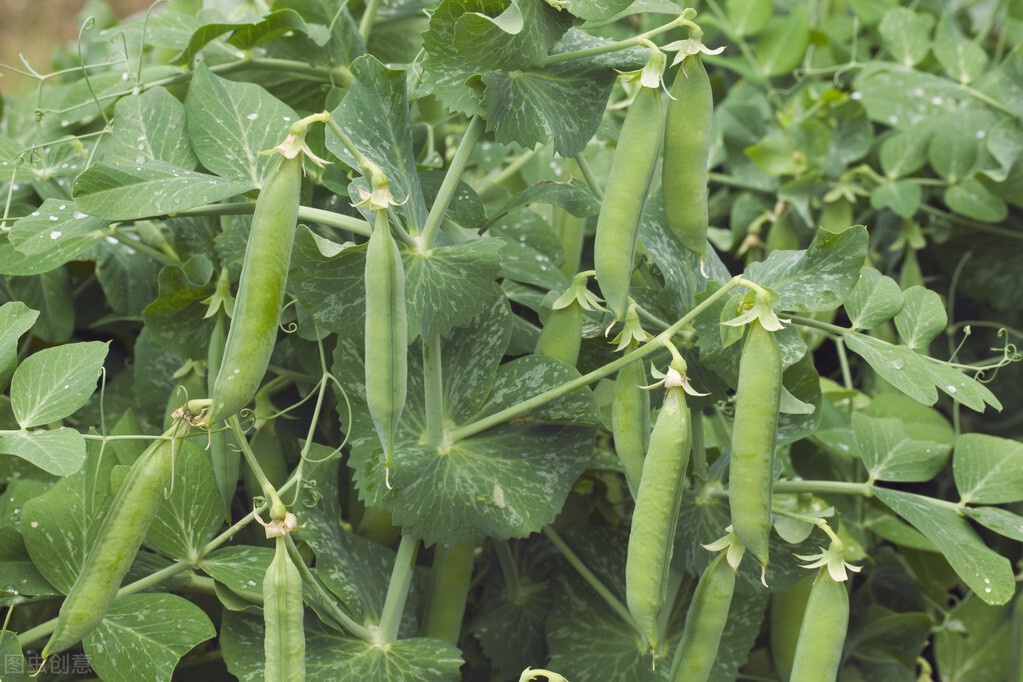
pixel 433 379
pixel 591 579
pixel 449 185
pixel 610 368
pixel 833 487
pixel 449 587
pixel 635 41
pixel 397 590
pixel 323 597
pixel 588 176
pixel 315 215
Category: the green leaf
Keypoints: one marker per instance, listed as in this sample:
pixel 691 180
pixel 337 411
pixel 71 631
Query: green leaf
pixel 18 575
pixel 875 299
pixel 59 452
pixel 999 520
pixel 240 569
pixel 176 318
pixel 905 152
pixel 922 317
pixel 574 196
pixel 921 422
pixel 889 527
pixel 14 262
pixel 917 376
pixel 903 197
pixel 143 636
pixel 598 10
pixel 971 198
pixel 452 77
pixel 564 101
pixel 962 59
pixel 16 668
pixel 904 98
pixel 819 278
pixel 517 36
pixel 801 401
pixel 230 123
pixel 988 469
pixel 15 319
pixel 975 649
pixel 448 285
pixel 378 95
pixel 155 188
pixel 188 517
pixel 748 17
pixel 781 45
pixel 328 279
pixel 983 570
pixel 906 35
pixel 150 127
pixel 531 250
pixel 53 383
pixel 59 226
pixel 889 454
pixel 955 153
pixel 50 293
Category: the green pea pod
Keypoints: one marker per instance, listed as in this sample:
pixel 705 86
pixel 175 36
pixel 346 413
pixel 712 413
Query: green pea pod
pixel 751 472
pixel 257 309
pixel 386 334
pixel 628 181
pixel 705 622
pixel 687 139
pixel 630 421
pixel 283 614
pixel 652 538
pixel 822 634
pixel 562 334
pixel 787 608
pixel 120 535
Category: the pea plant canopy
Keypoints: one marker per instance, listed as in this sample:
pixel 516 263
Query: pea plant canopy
pixel 515 339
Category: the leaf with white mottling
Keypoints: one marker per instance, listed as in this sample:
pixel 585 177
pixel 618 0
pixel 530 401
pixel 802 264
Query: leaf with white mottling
pixel 56 227
pixel 150 127
pixel 240 569
pixel 53 383
pixel 59 452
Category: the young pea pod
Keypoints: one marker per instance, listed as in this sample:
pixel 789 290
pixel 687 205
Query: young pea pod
pixel 687 138
pixel 652 538
pixel 822 634
pixel 386 335
pixel 751 472
pixel 562 334
pixel 628 181
pixel 120 535
pixel 257 309
pixel 283 613
pixel 705 622
pixel 630 421
pixel 787 608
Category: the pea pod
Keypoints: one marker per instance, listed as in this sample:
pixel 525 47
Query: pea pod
pixel 562 334
pixel 751 472
pixel 120 535
pixel 705 622
pixel 630 421
pixel 628 181
pixel 787 608
pixel 652 538
pixel 257 309
pixel 687 139
pixel 283 614
pixel 822 634
pixel 386 334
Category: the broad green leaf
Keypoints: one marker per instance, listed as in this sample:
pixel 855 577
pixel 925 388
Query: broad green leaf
pixel 18 575
pixel 781 45
pixel 903 197
pixel 128 277
pixel 239 569
pixel 230 123
pixel 889 454
pixel 819 278
pixel 956 152
pixel 988 469
pixel 449 75
pixel 60 524
pixel 801 400
pixel 155 188
pixel 904 152
pixel 328 279
pixel 450 284
pixel 1005 144
pixel 983 570
pixel 597 10
pixel 906 35
pixel 247 35
pixel 999 520
pixel 15 319
pixel 14 262
pixel 51 294
pixel 564 101
pixel 378 95
pixel 919 421
pixel 922 317
pixel 176 318
pixel 976 649
pixel 143 636
pixel 876 298
pixel 58 226
pixel 963 59
pixel 904 98
pixel 59 452
pixel 971 198
pixel 748 17
pixel 10 168
pixel 917 376
pixel 531 251
pixel 889 527
pixel 188 517
pixel 850 138
pixel 779 153
pixel 516 38
pixel 16 667
pixel 871 12
pixel 574 196
pixel 150 127
pixel 53 383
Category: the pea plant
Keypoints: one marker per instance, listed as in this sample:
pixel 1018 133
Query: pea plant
pixel 512 340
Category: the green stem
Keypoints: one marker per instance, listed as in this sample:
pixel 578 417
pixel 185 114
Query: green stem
pixel 155 254
pixel 323 597
pixel 433 378
pixel 397 590
pixel 449 185
pixel 225 464
pixel 699 450
pixel 817 324
pixel 591 579
pixel 250 457
pixel 635 41
pixel 368 16
pixel 512 585
pixel 585 380
pixel 825 487
pixel 588 175
pixel 449 587
pixel 315 215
